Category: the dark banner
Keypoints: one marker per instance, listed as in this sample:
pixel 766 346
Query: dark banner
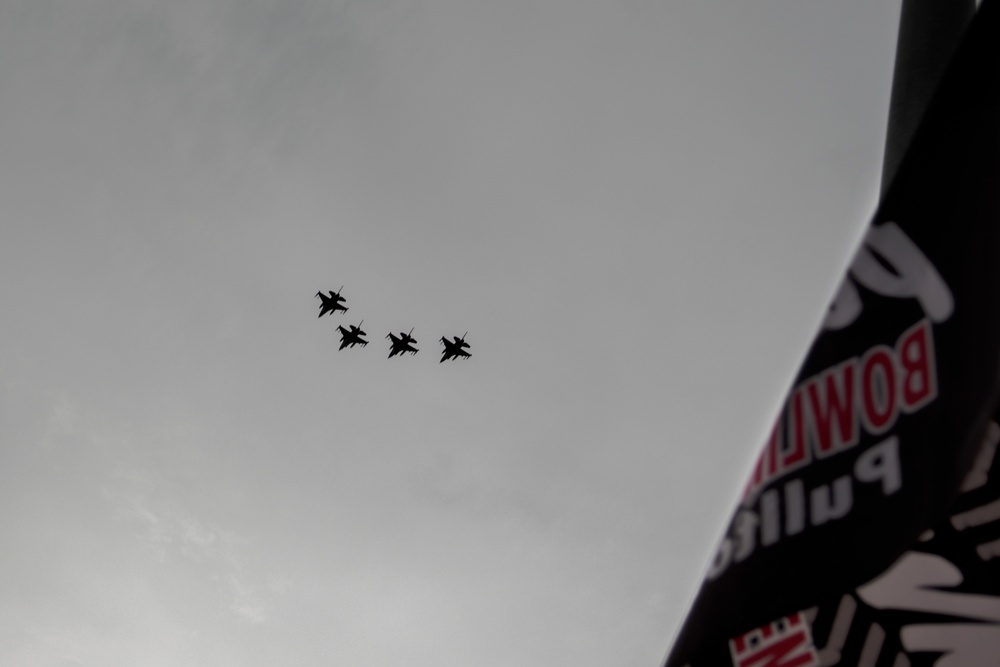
pixel 866 531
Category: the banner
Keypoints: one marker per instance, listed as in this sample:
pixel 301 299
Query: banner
pixel 869 532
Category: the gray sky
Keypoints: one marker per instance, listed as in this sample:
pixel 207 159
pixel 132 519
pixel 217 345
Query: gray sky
pixel 638 210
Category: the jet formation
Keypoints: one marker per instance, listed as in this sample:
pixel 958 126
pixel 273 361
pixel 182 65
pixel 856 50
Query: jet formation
pixel 402 344
pixel 453 349
pixel 352 337
pixel 331 304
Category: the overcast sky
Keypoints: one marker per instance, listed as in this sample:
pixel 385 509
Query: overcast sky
pixel 638 210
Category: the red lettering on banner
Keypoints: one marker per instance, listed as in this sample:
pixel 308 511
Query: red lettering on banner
pixel 918 381
pixel 878 389
pixel 824 415
pixel 796 453
pixel 767 462
pixel 831 399
pixel 786 642
pixel 774 445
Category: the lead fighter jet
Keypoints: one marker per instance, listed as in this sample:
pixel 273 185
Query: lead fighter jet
pixel 453 349
pixel 352 337
pixel 331 303
pixel 402 344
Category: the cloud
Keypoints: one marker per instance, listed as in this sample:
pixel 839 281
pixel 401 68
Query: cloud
pixel 247 602
pixel 141 476
pixel 207 550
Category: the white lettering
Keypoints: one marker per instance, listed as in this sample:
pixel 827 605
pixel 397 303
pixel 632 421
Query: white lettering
pixel 760 524
pixel 890 264
pixel 824 507
pixel 914 583
pixel 881 463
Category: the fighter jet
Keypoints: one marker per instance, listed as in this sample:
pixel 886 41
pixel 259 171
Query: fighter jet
pixel 331 303
pixel 352 337
pixel 453 349
pixel 402 344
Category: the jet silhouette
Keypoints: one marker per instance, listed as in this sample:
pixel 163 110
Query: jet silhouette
pixel 402 344
pixel 453 349
pixel 352 337
pixel 331 304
